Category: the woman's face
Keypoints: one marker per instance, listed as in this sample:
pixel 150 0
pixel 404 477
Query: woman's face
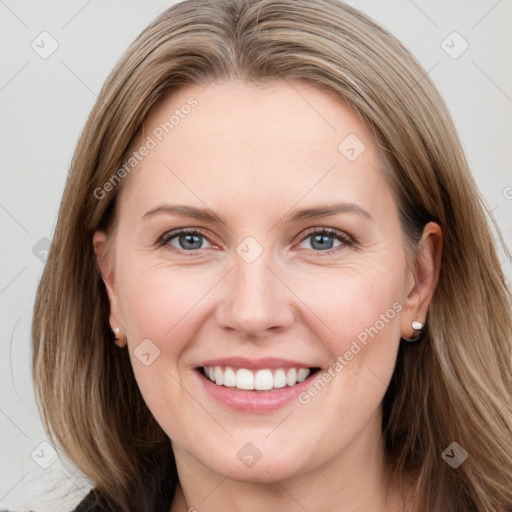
pixel 253 297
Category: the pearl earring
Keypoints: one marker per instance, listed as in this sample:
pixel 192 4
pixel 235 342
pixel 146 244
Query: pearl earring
pixel 417 326
pixel 117 338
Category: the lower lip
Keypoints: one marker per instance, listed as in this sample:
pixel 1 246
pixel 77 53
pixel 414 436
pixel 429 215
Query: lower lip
pixel 254 401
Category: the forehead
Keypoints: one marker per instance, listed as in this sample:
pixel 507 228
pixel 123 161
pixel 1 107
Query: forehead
pixel 301 114
pixel 233 141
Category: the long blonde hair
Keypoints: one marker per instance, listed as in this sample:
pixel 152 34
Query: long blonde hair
pixel 454 386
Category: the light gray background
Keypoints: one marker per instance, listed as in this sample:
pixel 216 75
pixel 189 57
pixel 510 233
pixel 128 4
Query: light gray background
pixel 44 104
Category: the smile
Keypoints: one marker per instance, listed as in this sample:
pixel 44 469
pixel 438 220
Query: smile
pixel 260 380
pixel 255 386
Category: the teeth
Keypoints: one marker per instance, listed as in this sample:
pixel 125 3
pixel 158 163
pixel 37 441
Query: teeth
pixel 229 378
pixel 244 378
pixel 219 376
pixel 291 377
pixel 279 379
pixel 302 374
pixel 262 380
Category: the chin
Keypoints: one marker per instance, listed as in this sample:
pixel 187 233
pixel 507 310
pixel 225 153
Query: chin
pixel 265 464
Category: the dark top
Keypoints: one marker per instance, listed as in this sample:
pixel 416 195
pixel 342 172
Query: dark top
pixel 89 504
pixel 153 501
pixel 154 491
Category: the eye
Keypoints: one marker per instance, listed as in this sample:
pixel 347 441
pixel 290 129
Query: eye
pixel 188 240
pixel 192 241
pixel 322 240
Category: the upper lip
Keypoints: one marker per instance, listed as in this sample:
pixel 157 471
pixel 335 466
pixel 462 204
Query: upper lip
pixel 255 364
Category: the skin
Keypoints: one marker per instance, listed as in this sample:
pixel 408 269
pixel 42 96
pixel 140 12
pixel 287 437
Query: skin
pixel 253 154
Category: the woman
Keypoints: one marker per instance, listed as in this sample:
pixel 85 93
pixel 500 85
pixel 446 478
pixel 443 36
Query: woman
pixel 271 284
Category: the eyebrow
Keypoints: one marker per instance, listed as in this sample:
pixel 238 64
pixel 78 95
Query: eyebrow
pixel 313 212
pixel 324 210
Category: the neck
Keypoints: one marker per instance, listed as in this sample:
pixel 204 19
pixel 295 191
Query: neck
pixel 354 480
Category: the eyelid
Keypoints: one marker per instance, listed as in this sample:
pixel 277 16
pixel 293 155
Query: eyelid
pixel 329 231
pixel 168 235
pixel 343 237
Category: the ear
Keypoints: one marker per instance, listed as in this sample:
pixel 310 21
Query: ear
pixel 422 278
pixel 104 258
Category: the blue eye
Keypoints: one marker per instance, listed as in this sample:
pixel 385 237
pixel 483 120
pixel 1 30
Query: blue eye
pixel 191 241
pixel 322 240
pixel 188 240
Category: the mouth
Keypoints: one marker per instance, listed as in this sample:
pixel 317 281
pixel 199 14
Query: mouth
pixel 255 386
pixel 265 379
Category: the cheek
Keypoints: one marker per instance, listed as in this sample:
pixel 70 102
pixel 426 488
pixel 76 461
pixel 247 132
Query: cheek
pixel 159 301
pixel 368 315
pixel 357 316
pixel 353 304
pixel 161 308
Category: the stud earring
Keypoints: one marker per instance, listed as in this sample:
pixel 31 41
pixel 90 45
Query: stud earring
pixel 416 326
pixel 117 338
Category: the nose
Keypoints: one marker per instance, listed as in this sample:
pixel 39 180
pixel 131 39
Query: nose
pixel 255 299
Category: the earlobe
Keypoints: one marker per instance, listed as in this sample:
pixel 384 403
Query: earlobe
pixel 106 268
pixel 425 275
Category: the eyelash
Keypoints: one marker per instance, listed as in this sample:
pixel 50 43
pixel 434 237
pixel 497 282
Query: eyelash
pixel 346 240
